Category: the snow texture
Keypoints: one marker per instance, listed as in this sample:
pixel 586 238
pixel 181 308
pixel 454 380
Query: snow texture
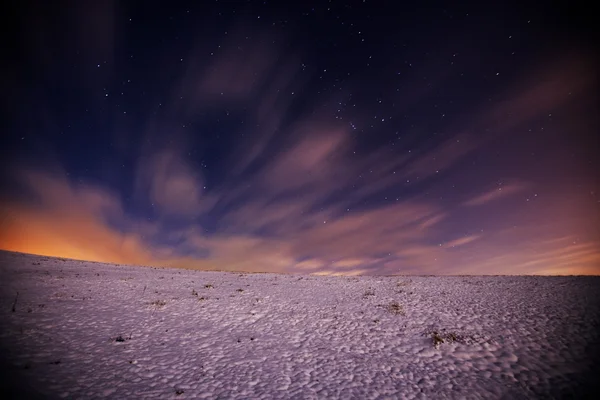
pixel 91 330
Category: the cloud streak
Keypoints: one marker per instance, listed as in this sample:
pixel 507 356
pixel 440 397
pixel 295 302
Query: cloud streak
pixel 496 193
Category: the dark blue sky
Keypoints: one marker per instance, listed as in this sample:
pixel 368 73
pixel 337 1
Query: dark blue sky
pixel 326 137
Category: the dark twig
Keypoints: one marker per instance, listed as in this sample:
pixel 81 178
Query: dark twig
pixel 14 306
pixel 144 291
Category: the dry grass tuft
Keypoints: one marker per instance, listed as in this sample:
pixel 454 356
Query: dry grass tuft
pixel 396 308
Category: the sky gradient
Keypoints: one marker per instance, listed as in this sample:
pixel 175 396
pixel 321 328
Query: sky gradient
pixel 327 138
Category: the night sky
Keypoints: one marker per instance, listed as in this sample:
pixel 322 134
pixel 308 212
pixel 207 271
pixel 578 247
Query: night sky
pixel 315 137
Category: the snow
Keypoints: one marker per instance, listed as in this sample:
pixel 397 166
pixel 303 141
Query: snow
pixel 194 334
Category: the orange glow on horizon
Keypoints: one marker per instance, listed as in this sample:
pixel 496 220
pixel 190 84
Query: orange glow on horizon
pixel 84 237
pixel 73 237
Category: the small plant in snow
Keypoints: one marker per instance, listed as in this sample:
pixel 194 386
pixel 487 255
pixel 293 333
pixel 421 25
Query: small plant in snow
pixel 368 293
pixel 443 336
pixel 437 339
pixel 194 293
pixel 209 286
pixel 240 290
pixel 395 308
pixel 158 303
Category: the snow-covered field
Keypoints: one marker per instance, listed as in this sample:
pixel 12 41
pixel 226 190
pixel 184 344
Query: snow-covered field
pixel 90 330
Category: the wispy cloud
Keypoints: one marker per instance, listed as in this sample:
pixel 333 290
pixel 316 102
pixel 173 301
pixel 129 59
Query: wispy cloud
pixel 496 193
pixel 172 185
pixel 461 241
